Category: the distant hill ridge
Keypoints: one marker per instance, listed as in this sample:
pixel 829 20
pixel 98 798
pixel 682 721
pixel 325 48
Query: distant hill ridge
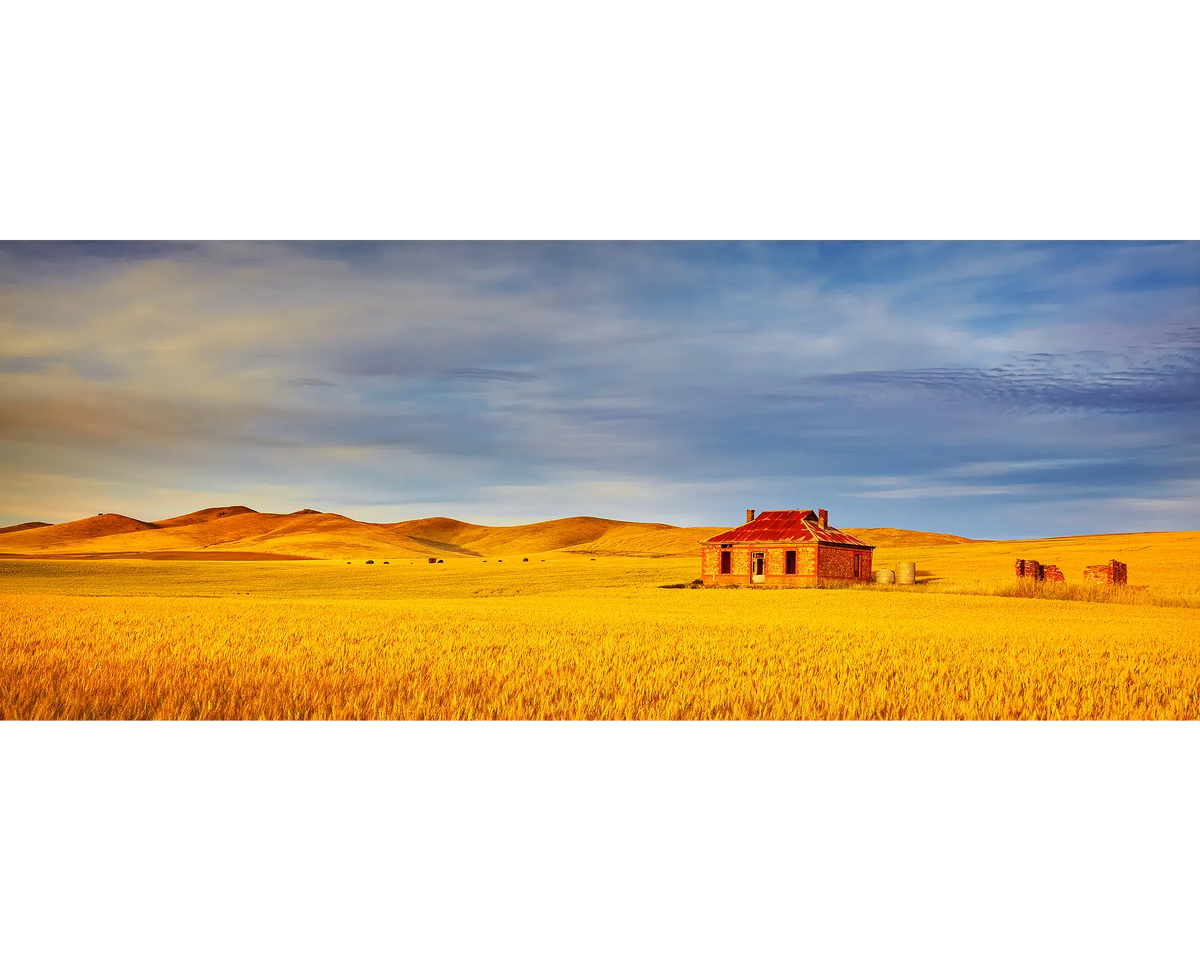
pixel 32 524
pixel 310 533
pixel 893 537
pixel 203 516
pixel 57 535
pixel 239 530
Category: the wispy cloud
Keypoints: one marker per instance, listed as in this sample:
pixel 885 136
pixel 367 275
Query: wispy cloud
pixel 486 373
pixel 935 491
pixel 975 379
pixel 1048 382
pixel 310 382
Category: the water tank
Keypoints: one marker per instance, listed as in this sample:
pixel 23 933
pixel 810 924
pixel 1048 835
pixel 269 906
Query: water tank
pixel 885 576
pixel 906 573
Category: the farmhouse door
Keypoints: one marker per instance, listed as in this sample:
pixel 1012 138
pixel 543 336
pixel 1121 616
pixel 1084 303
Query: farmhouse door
pixel 758 568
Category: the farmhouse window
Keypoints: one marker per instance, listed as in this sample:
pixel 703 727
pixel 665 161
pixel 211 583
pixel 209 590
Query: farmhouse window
pixel 726 561
pixel 857 557
pixel 791 561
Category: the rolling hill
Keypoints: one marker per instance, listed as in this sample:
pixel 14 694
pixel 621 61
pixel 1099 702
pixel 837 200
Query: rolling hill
pixel 240 531
pixel 592 535
pixel 203 516
pixel 71 535
pixel 237 532
pixel 892 537
pixel 31 525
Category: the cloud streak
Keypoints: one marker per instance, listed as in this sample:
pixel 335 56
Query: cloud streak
pixel 1048 383
pixel 484 373
pixel 979 386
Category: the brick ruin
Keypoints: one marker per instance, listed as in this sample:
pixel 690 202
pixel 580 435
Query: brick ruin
pixel 1113 573
pixel 1032 570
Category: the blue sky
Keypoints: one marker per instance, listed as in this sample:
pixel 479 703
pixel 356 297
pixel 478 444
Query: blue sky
pixel 990 390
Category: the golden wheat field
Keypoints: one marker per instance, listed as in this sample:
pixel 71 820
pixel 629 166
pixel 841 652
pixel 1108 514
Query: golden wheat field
pixel 566 637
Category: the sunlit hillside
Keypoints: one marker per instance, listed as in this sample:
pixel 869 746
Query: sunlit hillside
pixel 230 529
pixel 893 537
pixel 74 536
pixel 642 540
pixel 203 516
pixel 17 527
pixel 592 535
pixel 240 530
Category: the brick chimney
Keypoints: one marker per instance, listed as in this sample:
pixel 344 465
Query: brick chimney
pixel 823 519
pixel 749 515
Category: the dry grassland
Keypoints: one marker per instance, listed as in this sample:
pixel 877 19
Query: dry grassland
pixel 565 637
pixel 1166 564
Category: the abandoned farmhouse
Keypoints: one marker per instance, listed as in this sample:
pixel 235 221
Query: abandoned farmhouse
pixel 785 548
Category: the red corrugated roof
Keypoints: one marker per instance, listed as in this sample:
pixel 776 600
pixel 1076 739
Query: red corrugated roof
pixel 787 526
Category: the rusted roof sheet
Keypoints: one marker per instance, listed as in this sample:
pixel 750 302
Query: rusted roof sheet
pixel 787 526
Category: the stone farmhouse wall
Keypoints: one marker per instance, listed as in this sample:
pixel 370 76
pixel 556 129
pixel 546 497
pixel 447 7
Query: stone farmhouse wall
pixel 812 562
pixel 837 563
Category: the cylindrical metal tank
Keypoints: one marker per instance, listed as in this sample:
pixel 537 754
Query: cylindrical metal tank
pixel 906 573
pixel 885 576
